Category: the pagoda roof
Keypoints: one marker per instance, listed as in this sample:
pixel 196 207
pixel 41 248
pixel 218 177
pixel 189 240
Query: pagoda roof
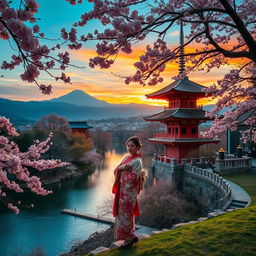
pixel 195 113
pixel 183 85
pixel 79 124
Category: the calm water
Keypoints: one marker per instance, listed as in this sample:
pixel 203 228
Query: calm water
pixel 45 226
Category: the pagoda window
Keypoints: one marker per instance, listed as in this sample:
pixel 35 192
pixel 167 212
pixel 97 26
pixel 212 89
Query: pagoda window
pixel 185 104
pixel 176 130
pixel 193 130
pixel 169 130
pixel 192 104
pixel 183 130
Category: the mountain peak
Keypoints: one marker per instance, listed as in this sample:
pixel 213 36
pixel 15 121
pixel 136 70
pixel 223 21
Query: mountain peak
pixel 78 92
pixel 80 98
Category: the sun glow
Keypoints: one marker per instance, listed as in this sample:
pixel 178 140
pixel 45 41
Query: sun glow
pixel 108 85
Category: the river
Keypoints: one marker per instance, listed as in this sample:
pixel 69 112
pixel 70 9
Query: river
pixel 45 226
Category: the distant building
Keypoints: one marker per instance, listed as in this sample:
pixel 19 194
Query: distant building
pixel 80 127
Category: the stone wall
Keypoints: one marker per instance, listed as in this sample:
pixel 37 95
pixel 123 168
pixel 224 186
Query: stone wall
pixel 205 187
pixel 201 190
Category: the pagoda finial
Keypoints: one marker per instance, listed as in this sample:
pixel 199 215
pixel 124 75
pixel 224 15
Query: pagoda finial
pixel 182 58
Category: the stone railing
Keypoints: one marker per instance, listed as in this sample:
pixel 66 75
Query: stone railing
pixel 174 161
pixel 216 180
pixel 231 164
pixel 229 156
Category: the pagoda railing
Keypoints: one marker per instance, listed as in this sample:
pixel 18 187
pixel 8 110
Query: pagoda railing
pixel 197 107
pixel 183 161
pixel 174 136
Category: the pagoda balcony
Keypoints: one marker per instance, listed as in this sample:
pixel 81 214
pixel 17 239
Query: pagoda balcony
pixel 197 107
pixel 166 138
pixel 174 136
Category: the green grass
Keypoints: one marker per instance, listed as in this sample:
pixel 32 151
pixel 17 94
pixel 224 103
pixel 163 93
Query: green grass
pixel 231 234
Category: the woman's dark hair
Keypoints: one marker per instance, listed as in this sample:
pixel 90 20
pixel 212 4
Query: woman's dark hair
pixel 135 140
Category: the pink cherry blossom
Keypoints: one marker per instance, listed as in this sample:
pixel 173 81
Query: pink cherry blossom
pixel 14 162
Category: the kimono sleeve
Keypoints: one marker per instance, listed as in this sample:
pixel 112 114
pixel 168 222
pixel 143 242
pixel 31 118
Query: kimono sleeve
pixel 134 175
pixel 136 166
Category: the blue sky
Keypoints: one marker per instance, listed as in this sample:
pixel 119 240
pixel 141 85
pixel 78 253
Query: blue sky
pixel 98 83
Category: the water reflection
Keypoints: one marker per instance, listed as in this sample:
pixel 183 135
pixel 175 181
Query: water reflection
pixel 45 225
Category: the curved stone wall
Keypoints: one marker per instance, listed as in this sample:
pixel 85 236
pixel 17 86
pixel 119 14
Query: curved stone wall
pixel 209 189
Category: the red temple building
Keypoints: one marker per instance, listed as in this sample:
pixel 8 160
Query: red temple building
pixel 80 127
pixel 182 116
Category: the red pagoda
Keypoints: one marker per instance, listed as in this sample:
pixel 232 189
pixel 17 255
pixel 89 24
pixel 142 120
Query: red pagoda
pixel 182 116
pixel 80 127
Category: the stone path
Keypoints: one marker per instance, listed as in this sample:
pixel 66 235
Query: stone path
pixel 240 197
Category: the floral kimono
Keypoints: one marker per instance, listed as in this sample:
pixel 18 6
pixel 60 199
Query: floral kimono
pixel 126 188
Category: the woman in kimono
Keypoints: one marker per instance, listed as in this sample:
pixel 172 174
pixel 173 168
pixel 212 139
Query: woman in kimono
pixel 128 183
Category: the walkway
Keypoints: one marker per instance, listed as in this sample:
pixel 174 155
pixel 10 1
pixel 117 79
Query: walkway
pixel 240 197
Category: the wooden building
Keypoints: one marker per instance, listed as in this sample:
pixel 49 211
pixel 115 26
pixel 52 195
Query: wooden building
pixel 80 127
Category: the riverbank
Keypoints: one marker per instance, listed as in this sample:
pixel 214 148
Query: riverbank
pixel 97 239
pixel 66 173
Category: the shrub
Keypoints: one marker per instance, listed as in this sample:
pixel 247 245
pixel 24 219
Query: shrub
pixel 162 205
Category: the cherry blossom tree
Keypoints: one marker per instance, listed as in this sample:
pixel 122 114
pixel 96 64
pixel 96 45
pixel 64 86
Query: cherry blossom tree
pixel 16 164
pixel 220 31
pixel 19 28
pixel 53 122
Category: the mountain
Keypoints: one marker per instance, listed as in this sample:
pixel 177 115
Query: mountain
pixel 80 98
pixel 33 110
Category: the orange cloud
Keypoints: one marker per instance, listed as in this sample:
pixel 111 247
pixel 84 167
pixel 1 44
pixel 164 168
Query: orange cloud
pixel 102 84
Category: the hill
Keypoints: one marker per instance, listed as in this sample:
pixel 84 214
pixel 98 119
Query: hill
pixel 33 110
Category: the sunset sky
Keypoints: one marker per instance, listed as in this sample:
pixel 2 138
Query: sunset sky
pixel 101 84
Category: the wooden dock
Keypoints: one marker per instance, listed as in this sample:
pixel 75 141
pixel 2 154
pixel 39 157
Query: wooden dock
pixel 89 216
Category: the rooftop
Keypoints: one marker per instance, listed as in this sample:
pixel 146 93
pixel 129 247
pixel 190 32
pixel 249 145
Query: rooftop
pixel 195 113
pixel 184 85
pixel 79 124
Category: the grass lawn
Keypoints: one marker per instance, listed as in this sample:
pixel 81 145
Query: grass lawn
pixel 231 234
